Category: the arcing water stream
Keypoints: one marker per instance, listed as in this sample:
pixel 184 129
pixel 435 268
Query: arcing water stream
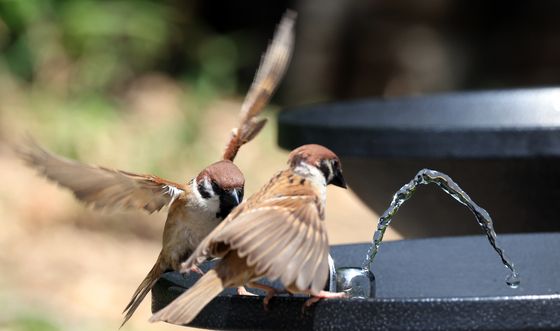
pixel 427 176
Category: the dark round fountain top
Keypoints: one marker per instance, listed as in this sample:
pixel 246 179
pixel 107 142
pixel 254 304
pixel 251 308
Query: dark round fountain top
pixel 508 123
pixel 454 283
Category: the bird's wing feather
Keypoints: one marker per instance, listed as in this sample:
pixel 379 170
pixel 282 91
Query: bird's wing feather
pixel 102 187
pixel 272 68
pixel 269 74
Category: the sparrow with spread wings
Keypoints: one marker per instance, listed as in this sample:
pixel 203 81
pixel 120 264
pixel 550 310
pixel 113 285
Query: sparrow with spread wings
pixel 196 207
pixel 278 233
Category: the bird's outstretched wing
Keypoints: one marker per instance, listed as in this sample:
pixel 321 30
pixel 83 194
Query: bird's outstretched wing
pixel 271 70
pixel 102 187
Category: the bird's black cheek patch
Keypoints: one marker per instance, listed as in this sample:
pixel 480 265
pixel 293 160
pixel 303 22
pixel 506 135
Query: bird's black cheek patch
pixel 225 208
pixel 224 211
pixel 203 192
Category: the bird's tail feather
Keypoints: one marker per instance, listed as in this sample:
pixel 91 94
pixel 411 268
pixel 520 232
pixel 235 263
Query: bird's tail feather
pixel 184 309
pixel 143 290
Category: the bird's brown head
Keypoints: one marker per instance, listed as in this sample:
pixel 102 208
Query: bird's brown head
pixel 323 159
pixel 224 181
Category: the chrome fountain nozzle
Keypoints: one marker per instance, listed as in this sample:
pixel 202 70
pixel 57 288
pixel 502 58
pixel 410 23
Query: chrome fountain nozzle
pixel 357 282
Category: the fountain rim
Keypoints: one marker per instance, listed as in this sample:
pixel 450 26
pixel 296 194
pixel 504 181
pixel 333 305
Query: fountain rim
pixel 426 311
pixel 516 123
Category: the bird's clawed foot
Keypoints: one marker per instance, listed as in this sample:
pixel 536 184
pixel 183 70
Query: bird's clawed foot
pixel 241 290
pixel 270 293
pixel 196 269
pixel 323 295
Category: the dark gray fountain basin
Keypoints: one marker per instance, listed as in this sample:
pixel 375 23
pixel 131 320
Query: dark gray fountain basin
pixel 424 284
pixel 501 147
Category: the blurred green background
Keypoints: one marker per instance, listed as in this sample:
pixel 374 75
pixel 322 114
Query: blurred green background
pixel 78 67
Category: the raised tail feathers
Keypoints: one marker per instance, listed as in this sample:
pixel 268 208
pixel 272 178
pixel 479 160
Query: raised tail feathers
pixel 142 290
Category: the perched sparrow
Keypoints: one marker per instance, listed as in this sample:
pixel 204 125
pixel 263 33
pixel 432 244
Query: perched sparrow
pixel 278 233
pixel 195 208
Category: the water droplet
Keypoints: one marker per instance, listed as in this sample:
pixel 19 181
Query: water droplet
pixel 512 280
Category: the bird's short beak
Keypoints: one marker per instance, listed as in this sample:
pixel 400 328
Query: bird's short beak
pixel 339 180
